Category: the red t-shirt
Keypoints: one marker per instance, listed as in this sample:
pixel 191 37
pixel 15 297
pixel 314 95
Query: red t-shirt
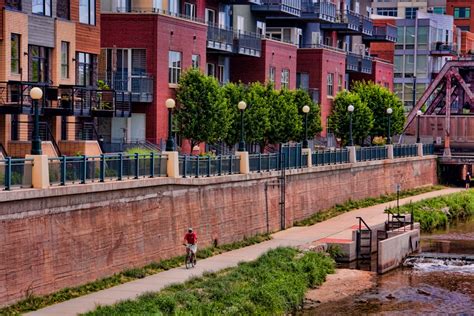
pixel 191 238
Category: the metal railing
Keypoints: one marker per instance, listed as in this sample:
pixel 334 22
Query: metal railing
pixel 220 37
pixel 428 149
pixel 330 157
pixel 353 62
pixel 287 6
pixel 106 167
pixel 352 19
pixel 248 44
pixel 197 166
pixel 16 173
pixel 322 10
pixel 366 65
pixel 132 89
pixel 440 47
pixel 388 32
pixel 371 153
pixel 264 162
pixel 405 150
pixel 366 25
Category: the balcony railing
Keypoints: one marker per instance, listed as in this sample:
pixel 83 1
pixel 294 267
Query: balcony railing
pixel 353 62
pixel 347 22
pixel 440 48
pixel 366 25
pixel 385 33
pixel 366 65
pixel 134 89
pixel 286 7
pixel 256 2
pixel 248 44
pixel 220 38
pixel 322 11
pixel 13 4
pixel 352 20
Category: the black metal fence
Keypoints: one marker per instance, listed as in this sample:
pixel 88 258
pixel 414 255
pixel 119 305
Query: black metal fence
pixel 206 166
pixel 84 169
pixel 371 153
pixel 428 149
pixel 408 150
pixel 16 173
pixel 330 157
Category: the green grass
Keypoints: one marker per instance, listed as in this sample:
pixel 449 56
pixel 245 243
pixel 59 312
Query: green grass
pixel 438 212
pixel 352 205
pixel 274 284
pixel 32 302
pixel 139 150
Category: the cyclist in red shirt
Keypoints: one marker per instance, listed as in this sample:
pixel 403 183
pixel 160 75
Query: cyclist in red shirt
pixel 190 241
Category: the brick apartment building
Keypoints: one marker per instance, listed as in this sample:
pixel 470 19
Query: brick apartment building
pixel 319 46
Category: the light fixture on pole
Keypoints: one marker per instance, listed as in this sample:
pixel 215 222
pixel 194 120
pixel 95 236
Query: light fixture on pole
pixel 36 94
pixel 242 106
pixel 350 109
pixel 170 104
pixel 418 114
pixel 306 110
pixel 389 114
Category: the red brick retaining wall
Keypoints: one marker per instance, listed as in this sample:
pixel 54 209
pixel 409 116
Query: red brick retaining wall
pixel 66 236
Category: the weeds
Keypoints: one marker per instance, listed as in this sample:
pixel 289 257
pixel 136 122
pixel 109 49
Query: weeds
pixel 274 284
pixel 352 205
pixel 32 302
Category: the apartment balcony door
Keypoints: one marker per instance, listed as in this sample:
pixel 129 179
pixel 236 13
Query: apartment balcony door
pixel 38 63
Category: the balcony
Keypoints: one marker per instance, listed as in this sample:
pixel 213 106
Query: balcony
pixel 220 38
pixel 442 49
pixel 358 63
pixel 13 4
pixel 347 22
pixel 256 2
pixel 366 65
pixel 133 89
pixel 248 44
pixel 366 25
pixel 385 33
pixel 319 11
pixel 279 7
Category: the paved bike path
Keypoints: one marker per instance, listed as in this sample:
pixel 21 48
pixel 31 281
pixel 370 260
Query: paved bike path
pixel 295 236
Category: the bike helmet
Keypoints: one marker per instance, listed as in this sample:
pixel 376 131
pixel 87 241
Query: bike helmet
pixel 190 229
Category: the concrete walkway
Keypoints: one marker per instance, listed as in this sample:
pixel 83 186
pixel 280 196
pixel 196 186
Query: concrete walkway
pixel 337 227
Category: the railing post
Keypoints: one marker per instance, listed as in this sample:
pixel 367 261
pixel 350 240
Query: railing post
pixel 102 168
pixel 152 164
pixel 244 162
pixel 231 164
pixel 63 170
pixel 208 166
pixel 197 167
pixel 120 171
pixel 307 151
pixel 390 151
pixel 137 165
pixel 185 166
pixel 419 149
pixel 8 174
pixel 353 154
pixel 220 166
pixel 84 169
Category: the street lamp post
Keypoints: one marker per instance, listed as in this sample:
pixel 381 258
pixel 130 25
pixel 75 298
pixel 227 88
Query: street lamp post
pixel 242 106
pixel 36 94
pixel 418 114
pixel 350 109
pixel 170 104
pixel 389 114
pixel 305 111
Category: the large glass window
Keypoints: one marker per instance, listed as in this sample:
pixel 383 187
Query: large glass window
pixel 409 64
pixel 423 38
pixel 398 66
pixel 439 10
pixel 195 61
pixel 15 53
pixel 285 78
pixel 190 10
pixel 462 13
pixel 211 69
pixel 272 74
pixel 85 69
pixel 421 66
pixel 330 79
pixel 42 7
pixel 174 67
pixel 13 4
pixel 38 62
pixel 387 11
pixel 87 11
pixel 410 13
pixel 63 9
pixel 64 60
pixel 410 37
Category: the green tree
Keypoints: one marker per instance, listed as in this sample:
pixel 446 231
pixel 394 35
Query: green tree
pixel 339 120
pixel 302 98
pixel 286 123
pixel 202 114
pixel 379 99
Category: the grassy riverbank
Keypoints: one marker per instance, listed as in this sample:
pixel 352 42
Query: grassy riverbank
pixel 352 205
pixel 33 302
pixel 440 211
pixel 274 284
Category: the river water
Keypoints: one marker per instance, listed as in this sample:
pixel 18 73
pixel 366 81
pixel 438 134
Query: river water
pixel 422 286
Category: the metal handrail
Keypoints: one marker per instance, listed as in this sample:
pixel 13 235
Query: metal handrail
pixel 361 221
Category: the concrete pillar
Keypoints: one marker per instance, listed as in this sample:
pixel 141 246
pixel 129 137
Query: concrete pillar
pixel 172 165
pixel 419 149
pixel 244 161
pixel 40 171
pixel 352 154
pixel 390 151
pixel 307 151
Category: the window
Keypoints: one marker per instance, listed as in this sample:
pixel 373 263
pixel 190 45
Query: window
pixel 13 4
pixel 15 53
pixel 439 10
pixel 240 23
pixel 260 28
pixel 302 81
pixel 174 67
pixel 38 63
pixel 190 10
pixel 173 6
pixel 42 7
pixel 62 9
pixel 64 60
pixel 410 13
pixel 210 16
pixel 285 78
pixel 157 5
pixel 272 75
pixel 220 73
pixel 211 70
pixel 330 79
pixel 87 11
pixel 462 13
pixel 85 69
pixel 387 11
pixel 195 61
pixel 124 6
pixel 339 82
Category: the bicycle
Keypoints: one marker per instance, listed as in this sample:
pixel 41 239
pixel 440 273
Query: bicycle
pixel 190 259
